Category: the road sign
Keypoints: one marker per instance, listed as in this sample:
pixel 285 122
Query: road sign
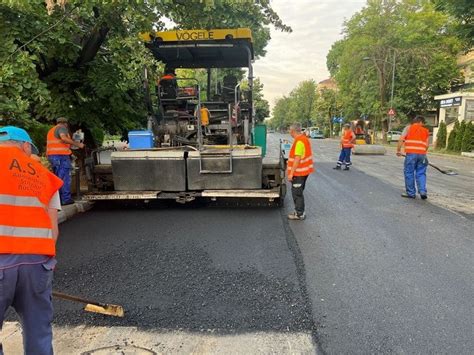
pixel 337 119
pixel 391 112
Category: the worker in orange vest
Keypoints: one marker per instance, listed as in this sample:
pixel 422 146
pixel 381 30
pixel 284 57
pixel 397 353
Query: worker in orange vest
pixel 58 144
pixel 29 204
pixel 347 143
pixel 168 85
pixel 415 141
pixel 300 166
pixel 205 115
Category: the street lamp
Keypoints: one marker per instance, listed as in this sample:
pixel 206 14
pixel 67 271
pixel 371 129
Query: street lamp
pixel 393 80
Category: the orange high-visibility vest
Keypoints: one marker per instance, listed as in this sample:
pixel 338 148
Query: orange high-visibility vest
pixel 347 138
pixel 168 77
pixel 26 188
pixel 416 140
pixel 204 116
pixel 55 146
pixel 305 167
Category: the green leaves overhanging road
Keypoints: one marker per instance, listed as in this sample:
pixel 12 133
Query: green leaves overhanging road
pixel 86 61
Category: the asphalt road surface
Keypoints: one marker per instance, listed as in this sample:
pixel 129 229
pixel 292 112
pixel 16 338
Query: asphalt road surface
pixel 366 272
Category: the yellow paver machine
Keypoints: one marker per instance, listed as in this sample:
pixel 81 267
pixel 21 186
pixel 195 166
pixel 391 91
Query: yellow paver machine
pixel 193 148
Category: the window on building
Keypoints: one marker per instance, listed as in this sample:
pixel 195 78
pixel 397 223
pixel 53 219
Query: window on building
pixel 469 114
pixel 451 114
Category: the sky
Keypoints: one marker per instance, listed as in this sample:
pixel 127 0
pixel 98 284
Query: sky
pixel 301 55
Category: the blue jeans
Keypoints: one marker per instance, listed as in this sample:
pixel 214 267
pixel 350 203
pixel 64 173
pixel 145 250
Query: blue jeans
pixel 415 170
pixel 345 157
pixel 62 169
pixel 27 288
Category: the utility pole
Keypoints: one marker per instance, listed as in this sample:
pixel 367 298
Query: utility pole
pixel 393 86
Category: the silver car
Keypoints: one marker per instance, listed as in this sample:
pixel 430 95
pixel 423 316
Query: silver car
pixel 393 136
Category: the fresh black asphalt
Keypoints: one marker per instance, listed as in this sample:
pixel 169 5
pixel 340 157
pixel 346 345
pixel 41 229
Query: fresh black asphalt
pixel 366 272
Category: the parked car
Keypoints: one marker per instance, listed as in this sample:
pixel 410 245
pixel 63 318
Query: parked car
pixel 393 136
pixel 285 148
pixel 316 134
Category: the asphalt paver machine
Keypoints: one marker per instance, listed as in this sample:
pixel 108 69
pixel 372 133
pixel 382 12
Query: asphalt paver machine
pixel 193 148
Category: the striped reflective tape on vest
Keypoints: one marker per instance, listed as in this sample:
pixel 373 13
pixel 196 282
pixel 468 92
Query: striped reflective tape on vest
pixel 20 201
pixel 415 148
pixel 302 161
pixel 302 170
pixel 58 149
pixel 411 141
pixel 25 232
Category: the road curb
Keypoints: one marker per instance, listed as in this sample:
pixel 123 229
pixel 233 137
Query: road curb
pixel 69 211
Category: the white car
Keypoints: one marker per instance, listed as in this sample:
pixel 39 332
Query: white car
pixel 393 136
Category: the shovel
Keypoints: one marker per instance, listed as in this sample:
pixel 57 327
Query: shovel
pixel 92 306
pixel 446 172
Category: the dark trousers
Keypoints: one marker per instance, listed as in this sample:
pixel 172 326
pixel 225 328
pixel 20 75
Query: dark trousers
pixel 297 187
pixel 62 167
pixel 27 288
pixel 345 157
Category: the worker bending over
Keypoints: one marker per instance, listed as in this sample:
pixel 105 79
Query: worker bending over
pixel 347 143
pixel 29 204
pixel 300 165
pixel 415 140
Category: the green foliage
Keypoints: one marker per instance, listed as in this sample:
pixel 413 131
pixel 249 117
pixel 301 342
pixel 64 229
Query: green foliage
pixel 38 132
pixel 327 106
pixel 257 15
pixel 441 136
pixel 463 13
pixel 452 137
pixel 86 62
pixel 468 138
pixel 459 136
pixel 261 106
pixel 411 34
pixel 299 106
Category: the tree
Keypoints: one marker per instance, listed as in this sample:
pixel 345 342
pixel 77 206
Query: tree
pixel 452 137
pixel 463 13
pixel 441 136
pixel 459 137
pixel 410 34
pixel 468 138
pixel 85 61
pixel 280 118
pixel 325 108
pixel 298 106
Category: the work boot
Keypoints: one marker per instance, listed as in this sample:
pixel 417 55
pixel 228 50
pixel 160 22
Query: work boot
pixel 337 167
pixel 423 197
pixel 294 216
pixel 407 195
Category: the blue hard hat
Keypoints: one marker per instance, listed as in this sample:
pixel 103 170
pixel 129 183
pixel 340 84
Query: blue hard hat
pixel 12 133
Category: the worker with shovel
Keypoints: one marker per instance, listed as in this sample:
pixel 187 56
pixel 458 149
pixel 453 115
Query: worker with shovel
pixel 29 204
pixel 415 140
